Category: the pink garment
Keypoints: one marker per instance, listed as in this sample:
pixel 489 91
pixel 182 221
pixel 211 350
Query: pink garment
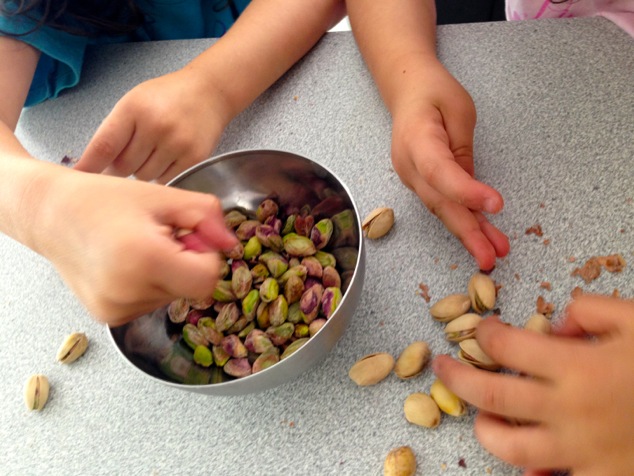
pixel 620 12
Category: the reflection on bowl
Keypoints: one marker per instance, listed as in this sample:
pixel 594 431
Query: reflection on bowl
pixel 154 344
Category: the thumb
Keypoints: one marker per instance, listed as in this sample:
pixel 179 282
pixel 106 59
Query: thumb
pixel 198 221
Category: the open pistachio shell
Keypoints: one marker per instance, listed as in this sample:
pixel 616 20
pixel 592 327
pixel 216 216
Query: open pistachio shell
pixel 412 360
pixel 538 323
pixel 446 400
pixel 471 353
pixel 462 327
pixel 450 307
pixel 371 369
pixel 420 409
pixel 482 292
pixel 400 462
pixel 378 223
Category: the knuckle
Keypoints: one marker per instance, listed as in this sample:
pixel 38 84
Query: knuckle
pixel 102 147
pixel 494 400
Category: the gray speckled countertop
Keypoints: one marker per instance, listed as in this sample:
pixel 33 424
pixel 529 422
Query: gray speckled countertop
pixel 555 135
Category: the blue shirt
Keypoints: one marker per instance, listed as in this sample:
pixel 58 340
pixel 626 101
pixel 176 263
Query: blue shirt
pixel 62 55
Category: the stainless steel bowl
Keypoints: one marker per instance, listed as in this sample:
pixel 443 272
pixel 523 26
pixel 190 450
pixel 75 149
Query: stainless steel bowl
pixel 243 179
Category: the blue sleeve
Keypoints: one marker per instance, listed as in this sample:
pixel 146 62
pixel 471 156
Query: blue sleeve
pixel 62 56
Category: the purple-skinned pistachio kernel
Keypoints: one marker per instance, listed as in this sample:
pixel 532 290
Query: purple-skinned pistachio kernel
pixel 295 314
pixel 330 278
pixel 209 332
pixel 193 316
pixel 233 219
pixel 326 259
pixel 304 224
pixel 275 263
pixel 177 310
pixel 275 222
pixel 224 269
pixel 294 347
pixel 264 232
pixel 321 233
pixel 238 263
pixel 250 304
pixel 279 335
pixel 315 326
pixel 233 346
pixel 310 282
pixel 266 209
pixel 311 299
pixel 346 257
pixel 278 310
pixel 301 330
pixel 330 301
pixel 259 273
pixel 227 317
pixel 252 249
pixel 293 289
pixel 240 324
pixel 262 315
pixel 297 270
pixel 201 304
pixel 220 356
pixel 269 290
pixel 297 245
pixel 257 341
pixel 245 332
pixel 313 266
pixel 345 231
pixel 238 367
pixel 237 252
pixel 246 230
pixel 329 206
pixel 193 337
pixel 223 292
pixel 241 282
pixel 289 225
pixel 266 359
pixel 202 356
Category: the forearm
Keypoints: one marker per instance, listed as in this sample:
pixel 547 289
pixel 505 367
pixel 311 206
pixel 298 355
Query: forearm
pixel 268 38
pixel 398 41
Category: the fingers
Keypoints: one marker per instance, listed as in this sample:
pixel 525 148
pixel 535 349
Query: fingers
pixel 597 315
pixel 529 446
pixel 510 396
pixel 110 139
pixel 481 239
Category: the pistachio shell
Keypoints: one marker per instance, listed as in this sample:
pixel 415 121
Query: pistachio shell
pixel 400 462
pixel 450 307
pixel 462 327
pixel 412 360
pixel 420 409
pixel 482 292
pixel 471 353
pixel 378 223
pixel 36 392
pixel 446 400
pixel 371 369
pixel 72 348
pixel 538 323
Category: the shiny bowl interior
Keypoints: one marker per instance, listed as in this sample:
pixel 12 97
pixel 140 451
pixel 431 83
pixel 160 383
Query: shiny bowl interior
pixel 242 180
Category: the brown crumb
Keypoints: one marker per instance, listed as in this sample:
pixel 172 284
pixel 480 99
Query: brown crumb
pixel 545 308
pixel 436 260
pixel 381 323
pixel 453 267
pixel 591 270
pixel 517 277
pixel 497 288
pixel 69 161
pixel 535 230
pixel 622 230
pixel 443 466
pixel 576 292
pixel 291 424
pixel 546 285
pixel 489 470
pixel 546 242
pixel 616 293
pixel 295 98
pixel 542 205
pixel 571 259
pixel 461 463
pixel 423 291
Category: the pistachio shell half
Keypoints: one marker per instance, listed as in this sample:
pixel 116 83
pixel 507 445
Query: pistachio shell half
pixel 378 223
pixel 482 292
pixel 538 323
pixel 446 400
pixel 412 360
pixel 450 307
pixel 36 392
pixel 420 409
pixel 462 327
pixel 471 353
pixel 371 369
pixel 400 462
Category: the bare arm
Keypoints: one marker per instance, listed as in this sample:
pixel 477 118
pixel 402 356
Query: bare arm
pixel 433 120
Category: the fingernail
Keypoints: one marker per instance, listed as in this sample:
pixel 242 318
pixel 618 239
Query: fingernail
pixel 491 205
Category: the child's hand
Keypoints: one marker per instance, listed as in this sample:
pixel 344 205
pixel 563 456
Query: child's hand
pixel 580 396
pixel 432 151
pixel 112 240
pixel 158 129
